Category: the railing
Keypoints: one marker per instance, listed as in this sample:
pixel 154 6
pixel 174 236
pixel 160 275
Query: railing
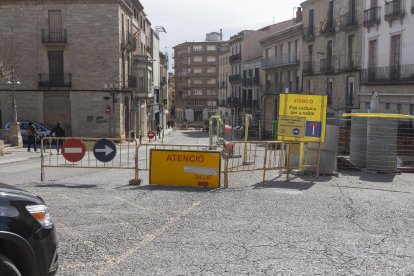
pixel 308 68
pixel 132 81
pixel 248 82
pixel 308 33
pixel 372 16
pixel 128 44
pixel 222 103
pixel 233 101
pixel 352 62
pixel 349 21
pixel 401 74
pixel 235 58
pixel 235 78
pixel 269 88
pixel 54 36
pixel 327 65
pixel 278 61
pixel 394 9
pixel 223 84
pixel 55 80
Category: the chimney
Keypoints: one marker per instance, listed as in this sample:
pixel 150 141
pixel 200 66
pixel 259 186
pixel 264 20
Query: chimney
pixel 298 15
pixel 221 34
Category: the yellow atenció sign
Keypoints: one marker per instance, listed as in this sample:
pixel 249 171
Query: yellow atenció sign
pixel 185 168
pixel 312 108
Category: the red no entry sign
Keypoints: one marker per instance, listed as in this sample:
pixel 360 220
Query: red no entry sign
pixel 151 134
pixel 73 150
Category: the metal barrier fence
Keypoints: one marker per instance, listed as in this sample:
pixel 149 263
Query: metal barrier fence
pixel 126 153
pixel 381 145
pixel 270 155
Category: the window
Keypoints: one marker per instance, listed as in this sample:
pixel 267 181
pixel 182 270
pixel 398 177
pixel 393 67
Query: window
pixel 197 81
pixel 56 77
pixel 211 70
pixel 411 109
pixel 372 54
pixel 211 103
pixel 197 48
pixel 211 81
pixel 197 92
pixel 211 59
pixel 197 59
pixel 208 92
pixel 267 53
pixel 198 103
pixel 198 70
pixel 329 89
pixel 351 61
pixel 311 23
pixel 387 106
pixel 350 91
pixel 399 108
pixel 395 50
pixel 211 47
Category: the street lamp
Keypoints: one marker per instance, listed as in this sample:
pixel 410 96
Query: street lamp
pixel 113 89
pixel 15 136
pixel 13 81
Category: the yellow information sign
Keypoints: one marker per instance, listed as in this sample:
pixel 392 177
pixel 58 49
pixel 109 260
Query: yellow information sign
pixel 312 108
pixel 185 168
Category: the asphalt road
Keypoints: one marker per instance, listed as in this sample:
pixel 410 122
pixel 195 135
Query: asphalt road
pixel 356 224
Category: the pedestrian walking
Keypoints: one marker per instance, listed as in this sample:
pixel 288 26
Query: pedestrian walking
pixel 59 132
pixel 172 125
pixel 31 134
pixel 168 124
pixel 159 131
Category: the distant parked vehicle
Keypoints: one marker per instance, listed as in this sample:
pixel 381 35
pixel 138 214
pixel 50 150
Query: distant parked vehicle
pixel 41 130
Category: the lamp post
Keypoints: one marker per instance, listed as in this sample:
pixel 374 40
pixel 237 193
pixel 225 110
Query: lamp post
pixel 113 89
pixel 15 136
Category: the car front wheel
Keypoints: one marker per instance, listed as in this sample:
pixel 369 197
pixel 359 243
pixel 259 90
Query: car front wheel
pixel 7 267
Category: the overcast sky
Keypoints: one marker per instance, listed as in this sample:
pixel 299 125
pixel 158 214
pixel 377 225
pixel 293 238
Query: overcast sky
pixel 190 20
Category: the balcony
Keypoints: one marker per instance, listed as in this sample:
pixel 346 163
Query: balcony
pixel 327 27
pixel 235 58
pixel 248 82
pixel 349 21
pixel 279 61
pixel 394 10
pixel 327 65
pixel 235 78
pixel 128 44
pixel 308 34
pixel 55 80
pixel 352 63
pixel 233 101
pixel 402 74
pixel 222 103
pixel 372 17
pixel 251 104
pixel 308 68
pixel 132 81
pixel 58 36
pixel 223 84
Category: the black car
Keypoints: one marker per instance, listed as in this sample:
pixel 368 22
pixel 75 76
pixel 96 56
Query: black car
pixel 28 243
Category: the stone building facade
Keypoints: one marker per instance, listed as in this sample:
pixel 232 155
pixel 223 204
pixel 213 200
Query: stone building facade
pixel 332 52
pixel 281 64
pixel 388 63
pixel 75 61
pixel 197 80
pixel 225 98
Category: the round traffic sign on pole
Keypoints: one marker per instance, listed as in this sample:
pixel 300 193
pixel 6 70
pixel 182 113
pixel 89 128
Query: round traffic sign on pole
pixel 73 150
pixel 151 134
pixel 104 150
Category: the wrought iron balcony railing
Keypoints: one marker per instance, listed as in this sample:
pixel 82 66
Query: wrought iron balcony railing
pixel 372 16
pixel 394 9
pixel 235 78
pixel 401 74
pixel 349 21
pixel 55 80
pixel 233 101
pixel 327 65
pixel 309 34
pixel 308 68
pixel 235 58
pixel 54 36
pixel 279 61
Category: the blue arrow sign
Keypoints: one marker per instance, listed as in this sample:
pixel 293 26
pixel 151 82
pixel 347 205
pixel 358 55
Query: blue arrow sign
pixel 104 150
pixel 296 131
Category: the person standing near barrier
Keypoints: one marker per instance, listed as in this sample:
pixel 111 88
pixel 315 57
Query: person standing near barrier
pixel 31 133
pixel 59 131
pixel 158 131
